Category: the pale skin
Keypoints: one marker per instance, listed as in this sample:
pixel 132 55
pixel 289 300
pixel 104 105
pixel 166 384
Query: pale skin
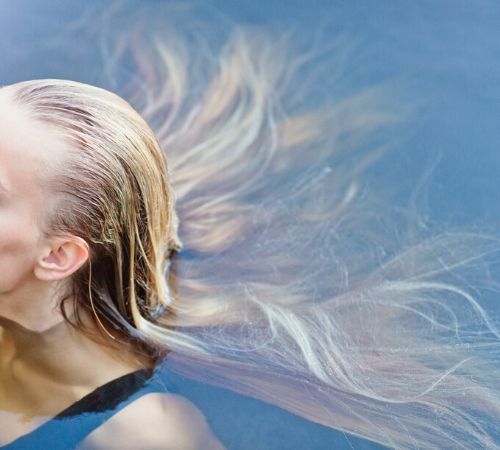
pixel 36 382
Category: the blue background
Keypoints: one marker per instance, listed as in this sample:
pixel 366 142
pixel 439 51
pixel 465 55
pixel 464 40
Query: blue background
pixel 443 55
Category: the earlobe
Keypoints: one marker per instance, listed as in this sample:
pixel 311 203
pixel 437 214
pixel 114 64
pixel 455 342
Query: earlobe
pixel 64 258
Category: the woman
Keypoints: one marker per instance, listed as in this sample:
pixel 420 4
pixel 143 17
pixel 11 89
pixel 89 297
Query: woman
pixel 48 363
pixel 286 296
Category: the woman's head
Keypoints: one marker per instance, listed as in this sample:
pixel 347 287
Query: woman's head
pixel 102 185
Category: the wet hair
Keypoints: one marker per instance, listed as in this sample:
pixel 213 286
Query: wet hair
pixel 112 190
pixel 292 286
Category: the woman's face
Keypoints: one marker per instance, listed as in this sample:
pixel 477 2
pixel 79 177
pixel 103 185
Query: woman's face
pixel 27 150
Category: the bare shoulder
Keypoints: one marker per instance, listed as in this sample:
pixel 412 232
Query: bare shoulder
pixel 155 421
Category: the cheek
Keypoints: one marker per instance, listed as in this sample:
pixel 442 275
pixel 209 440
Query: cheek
pixel 18 239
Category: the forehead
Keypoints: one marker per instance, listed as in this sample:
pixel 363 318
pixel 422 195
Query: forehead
pixel 28 148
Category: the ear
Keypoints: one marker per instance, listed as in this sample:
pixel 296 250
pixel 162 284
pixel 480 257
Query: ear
pixel 63 258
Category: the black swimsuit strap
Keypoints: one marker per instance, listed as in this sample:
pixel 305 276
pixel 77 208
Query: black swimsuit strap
pixel 109 395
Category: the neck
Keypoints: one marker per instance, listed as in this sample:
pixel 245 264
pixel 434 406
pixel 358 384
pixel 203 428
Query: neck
pixel 61 353
pixel 45 362
pixel 58 362
pixel 32 308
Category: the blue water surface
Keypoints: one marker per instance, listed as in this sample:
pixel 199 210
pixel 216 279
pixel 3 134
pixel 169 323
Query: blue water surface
pixel 443 56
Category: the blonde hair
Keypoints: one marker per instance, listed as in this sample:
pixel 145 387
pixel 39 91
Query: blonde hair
pixel 291 287
pixel 113 190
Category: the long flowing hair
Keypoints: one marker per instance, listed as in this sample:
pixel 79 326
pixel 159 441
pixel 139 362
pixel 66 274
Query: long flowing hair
pixel 296 283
